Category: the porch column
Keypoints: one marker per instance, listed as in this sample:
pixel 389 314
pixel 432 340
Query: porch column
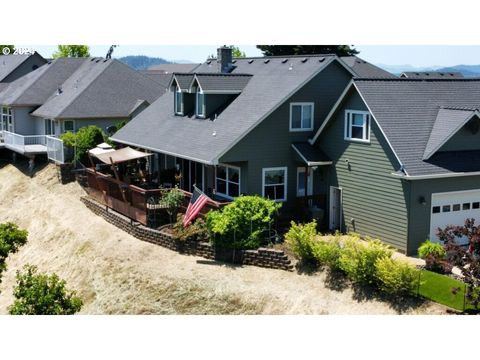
pixel 306 186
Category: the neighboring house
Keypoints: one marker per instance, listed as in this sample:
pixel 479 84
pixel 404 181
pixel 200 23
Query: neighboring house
pixel 405 158
pixel 240 126
pixel 100 92
pixel 27 93
pixel 431 75
pixel 13 67
pixel 364 69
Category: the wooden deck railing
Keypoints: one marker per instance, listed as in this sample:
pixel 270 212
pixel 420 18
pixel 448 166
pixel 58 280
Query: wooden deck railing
pixel 133 201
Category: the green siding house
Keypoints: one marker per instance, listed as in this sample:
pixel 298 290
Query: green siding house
pixel 405 158
pixel 241 126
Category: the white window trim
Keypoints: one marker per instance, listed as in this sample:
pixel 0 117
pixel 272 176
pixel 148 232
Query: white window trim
pixel 7 119
pixel 366 129
pixel 313 118
pixel 199 91
pixel 63 125
pixel 178 90
pixel 228 181
pixel 285 168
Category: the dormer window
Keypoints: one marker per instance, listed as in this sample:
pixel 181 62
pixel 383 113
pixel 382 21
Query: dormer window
pixel 200 103
pixel 178 101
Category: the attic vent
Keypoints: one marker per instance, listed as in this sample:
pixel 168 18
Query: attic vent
pixel 322 59
pixel 92 59
pixel 105 60
pixel 267 61
pixel 304 60
pixel 234 61
pixel 250 61
pixel 59 90
pixel 209 62
pixel 284 61
pixel 97 61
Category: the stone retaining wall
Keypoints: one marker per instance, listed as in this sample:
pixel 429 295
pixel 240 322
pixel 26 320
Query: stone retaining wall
pixel 263 257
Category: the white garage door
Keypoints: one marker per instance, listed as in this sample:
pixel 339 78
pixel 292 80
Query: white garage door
pixel 453 208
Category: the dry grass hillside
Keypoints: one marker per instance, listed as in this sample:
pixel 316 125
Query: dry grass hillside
pixel 115 273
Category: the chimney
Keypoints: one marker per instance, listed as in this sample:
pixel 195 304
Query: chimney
pixel 224 59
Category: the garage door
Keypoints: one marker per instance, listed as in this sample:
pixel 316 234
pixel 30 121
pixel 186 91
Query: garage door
pixel 453 208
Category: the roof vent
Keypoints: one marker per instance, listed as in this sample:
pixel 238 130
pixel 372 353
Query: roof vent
pixel 92 59
pixel 304 60
pixel 59 90
pixel 209 62
pixel 266 61
pixel 234 61
pixel 291 67
pixel 322 59
pixel 250 61
pixel 284 61
pixel 105 60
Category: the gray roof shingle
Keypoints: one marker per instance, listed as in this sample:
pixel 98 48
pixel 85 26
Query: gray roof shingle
pixel 431 75
pixel 8 63
pixel 158 129
pixel 407 111
pixel 365 69
pixel 100 88
pixel 312 155
pixel 37 86
pixel 172 68
pixel 159 76
pixel 223 82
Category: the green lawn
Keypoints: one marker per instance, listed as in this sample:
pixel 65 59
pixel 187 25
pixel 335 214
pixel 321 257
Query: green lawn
pixel 438 288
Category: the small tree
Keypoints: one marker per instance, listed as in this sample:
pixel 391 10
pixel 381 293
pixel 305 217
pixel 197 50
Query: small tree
pixel 42 294
pixel 11 238
pixel 237 53
pixel 172 201
pixel 71 51
pixel 85 139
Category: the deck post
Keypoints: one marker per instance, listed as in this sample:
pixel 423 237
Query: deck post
pixel 119 183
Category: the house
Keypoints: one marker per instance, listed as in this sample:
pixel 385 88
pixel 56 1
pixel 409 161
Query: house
pixel 241 126
pixel 101 92
pixel 431 75
pixel 405 158
pixel 13 67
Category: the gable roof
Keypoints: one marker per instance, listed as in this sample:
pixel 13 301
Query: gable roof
pixel 365 69
pixel 271 83
pixel 182 80
pixel 447 123
pixel 431 75
pixel 101 88
pixel 8 63
pixel 221 83
pixel 159 76
pixel 407 112
pixel 37 86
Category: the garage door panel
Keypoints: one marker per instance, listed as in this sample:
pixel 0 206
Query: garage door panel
pixel 452 209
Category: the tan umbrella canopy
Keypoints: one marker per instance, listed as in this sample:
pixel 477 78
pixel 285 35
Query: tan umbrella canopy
pixel 119 156
pixel 100 149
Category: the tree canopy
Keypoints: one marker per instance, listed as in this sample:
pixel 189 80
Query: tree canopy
pixel 237 53
pixel 72 51
pixel 280 50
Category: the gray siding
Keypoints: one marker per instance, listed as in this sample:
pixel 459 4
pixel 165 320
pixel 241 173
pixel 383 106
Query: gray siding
pixel 375 200
pixel 24 123
pixel 33 62
pixel 269 144
pixel 419 229
pixel 462 140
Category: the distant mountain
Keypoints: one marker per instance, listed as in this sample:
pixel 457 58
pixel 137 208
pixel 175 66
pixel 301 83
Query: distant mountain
pixel 466 70
pixel 142 62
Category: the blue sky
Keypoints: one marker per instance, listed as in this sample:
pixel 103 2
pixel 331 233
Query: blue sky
pixel 416 55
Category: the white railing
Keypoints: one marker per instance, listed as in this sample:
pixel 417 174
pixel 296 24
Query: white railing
pixel 53 146
pixel 55 150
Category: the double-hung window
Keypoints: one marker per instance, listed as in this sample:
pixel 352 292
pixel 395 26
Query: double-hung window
pixel 200 103
pixel 178 101
pixel 69 125
pixel 301 116
pixel 275 183
pixel 357 126
pixel 227 181
pixel 6 122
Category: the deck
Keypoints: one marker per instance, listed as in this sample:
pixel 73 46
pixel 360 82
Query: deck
pixel 135 202
pixel 31 145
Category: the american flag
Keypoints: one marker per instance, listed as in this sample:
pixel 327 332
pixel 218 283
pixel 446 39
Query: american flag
pixel 197 202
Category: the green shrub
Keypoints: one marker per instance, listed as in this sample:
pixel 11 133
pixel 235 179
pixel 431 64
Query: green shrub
pixel 327 252
pixel 196 231
pixel 87 138
pixel 42 294
pixel 396 277
pixel 69 139
pixel 172 199
pixel 429 248
pixel 242 223
pixel 11 238
pixel 357 259
pixel 300 238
